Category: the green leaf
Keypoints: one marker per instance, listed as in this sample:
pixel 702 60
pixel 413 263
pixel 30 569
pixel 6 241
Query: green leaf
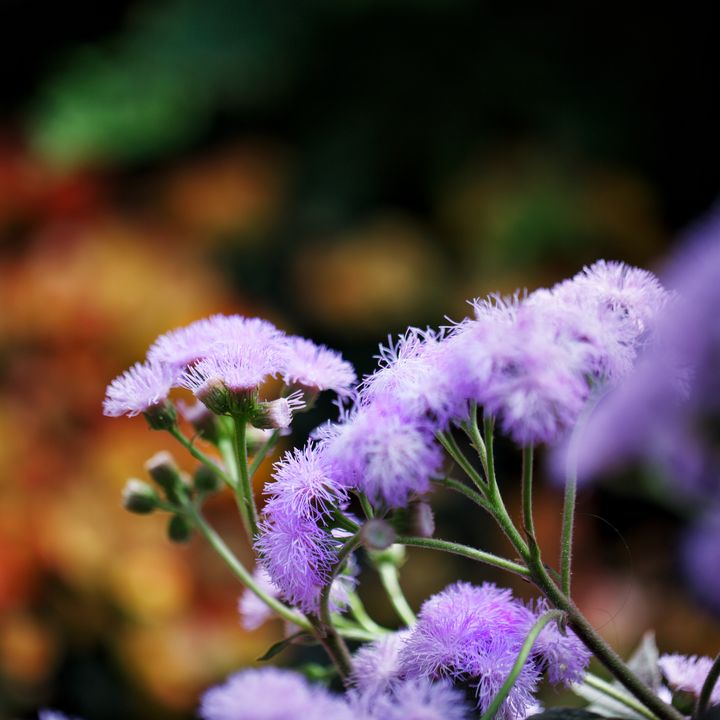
pixel 565 714
pixel 299 638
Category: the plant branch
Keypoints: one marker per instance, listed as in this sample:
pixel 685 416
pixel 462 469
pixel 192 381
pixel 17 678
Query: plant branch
pixel 198 454
pixel 707 688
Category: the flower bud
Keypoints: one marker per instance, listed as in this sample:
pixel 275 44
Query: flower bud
pixel 422 519
pixel 394 555
pixel 139 497
pixel 277 414
pixel 161 416
pixel 377 535
pixel 179 529
pixel 162 469
pixel 206 480
pixel 215 396
pixel 204 422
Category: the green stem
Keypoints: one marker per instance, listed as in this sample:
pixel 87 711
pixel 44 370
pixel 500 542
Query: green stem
pixel 366 506
pixel 465 551
pixel 244 489
pixel 361 615
pixel 460 487
pixel 389 577
pixel 604 653
pixel 261 454
pixel 707 688
pixel 240 571
pixel 568 522
pixel 476 437
pixel 522 657
pixel 527 501
pixel 448 442
pixel 500 511
pixel 612 692
pixel 198 454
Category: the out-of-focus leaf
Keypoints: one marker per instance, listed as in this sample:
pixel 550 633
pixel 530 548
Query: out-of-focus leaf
pixel 565 714
pixel 299 638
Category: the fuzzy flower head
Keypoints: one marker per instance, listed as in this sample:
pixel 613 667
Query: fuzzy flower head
pixel 253 611
pixel 376 665
pixel 688 674
pixel 315 368
pixel 185 346
pixel 419 699
pixel 416 374
pixel 270 694
pixel 384 453
pixel 144 388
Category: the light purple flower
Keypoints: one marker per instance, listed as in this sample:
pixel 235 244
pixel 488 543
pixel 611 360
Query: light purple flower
pixel 271 694
pixel 689 674
pixel 137 390
pixel 304 485
pixel 418 375
pixel 186 345
pixel 473 634
pixel 419 699
pixel 253 611
pixel 298 554
pixel 701 551
pixel 376 665
pixel 385 453
pixel 316 367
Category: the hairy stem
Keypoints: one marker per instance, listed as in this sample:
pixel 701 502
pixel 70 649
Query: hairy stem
pixel 358 611
pixel 244 489
pixel 198 454
pixel 522 657
pixel 261 454
pixel 568 522
pixel 612 692
pixel 448 442
pixel 707 688
pixel 527 501
pixel 240 571
pixel 460 487
pixel 389 577
pixel 465 551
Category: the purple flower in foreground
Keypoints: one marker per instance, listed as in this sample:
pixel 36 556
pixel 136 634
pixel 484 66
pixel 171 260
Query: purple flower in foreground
pixel 419 699
pixel 384 453
pixel 376 665
pixel 473 634
pixel 141 388
pixel 202 338
pixel 271 694
pixel 688 674
pixel 253 611
pixel 315 367
pixel 299 555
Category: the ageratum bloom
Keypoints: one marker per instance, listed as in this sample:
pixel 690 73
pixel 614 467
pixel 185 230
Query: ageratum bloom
pixel 418 699
pixel 700 552
pixel 315 368
pixel 141 389
pixel 202 338
pixel 376 665
pixel 271 694
pixel 418 375
pixel 688 674
pixel 383 452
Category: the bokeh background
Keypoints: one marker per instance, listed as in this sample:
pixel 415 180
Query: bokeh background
pixel 345 169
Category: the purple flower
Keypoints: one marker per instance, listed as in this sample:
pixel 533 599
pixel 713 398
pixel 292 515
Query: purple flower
pixel 315 367
pixel 418 699
pixel 299 555
pixel 376 665
pixel 304 486
pixel 253 611
pixel 143 387
pixel 418 375
pixel 701 551
pixel 563 656
pixel 385 453
pixel 53 715
pixel 473 635
pixel 186 345
pixel 271 694
pixel 688 674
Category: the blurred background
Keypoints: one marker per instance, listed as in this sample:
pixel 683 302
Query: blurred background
pixel 345 169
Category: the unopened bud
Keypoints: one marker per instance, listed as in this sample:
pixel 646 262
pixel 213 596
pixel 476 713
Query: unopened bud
pixel 162 469
pixel 206 480
pixel 377 534
pixel 394 555
pixel 215 396
pixel 422 519
pixel 139 497
pixel 277 414
pixel 179 529
pixel 161 416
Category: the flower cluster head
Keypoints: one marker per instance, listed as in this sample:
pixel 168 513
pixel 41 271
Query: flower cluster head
pixel 688 674
pixel 472 635
pixel 224 360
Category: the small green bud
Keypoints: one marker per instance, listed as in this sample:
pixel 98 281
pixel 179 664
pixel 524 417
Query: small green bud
pixel 206 480
pixel 179 529
pixel 277 414
pixel 162 416
pixel 377 535
pixel 162 469
pixel 394 555
pixel 215 396
pixel 139 497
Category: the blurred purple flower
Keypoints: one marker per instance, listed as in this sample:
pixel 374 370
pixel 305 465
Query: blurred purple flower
pixel 700 552
pixel 253 611
pixel 271 694
pixel 376 665
pixel 383 452
pixel 315 367
pixel 142 387
pixel 688 674
pixel 419 699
